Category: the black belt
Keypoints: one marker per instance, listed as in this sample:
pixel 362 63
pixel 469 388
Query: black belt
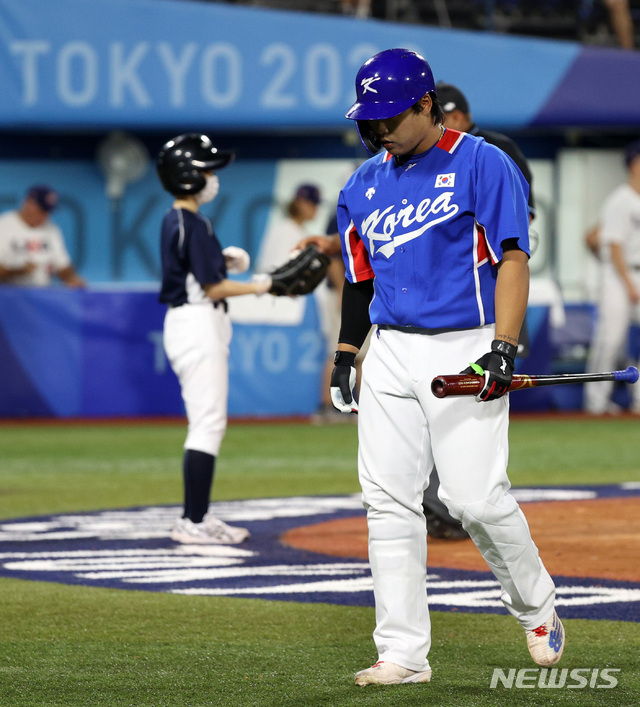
pixel 420 330
pixel 218 303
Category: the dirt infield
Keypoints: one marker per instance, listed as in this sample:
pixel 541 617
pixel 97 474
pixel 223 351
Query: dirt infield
pixel 595 538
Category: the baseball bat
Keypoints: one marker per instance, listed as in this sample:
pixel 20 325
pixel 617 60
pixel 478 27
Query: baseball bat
pixel 472 384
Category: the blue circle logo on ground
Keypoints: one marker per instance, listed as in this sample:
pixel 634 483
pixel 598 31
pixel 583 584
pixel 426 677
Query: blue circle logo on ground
pixel 131 549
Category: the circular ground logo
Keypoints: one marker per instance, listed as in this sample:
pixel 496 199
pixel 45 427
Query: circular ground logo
pixel 313 549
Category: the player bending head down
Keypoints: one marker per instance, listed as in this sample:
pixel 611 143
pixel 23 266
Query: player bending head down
pixel 396 103
pixel 434 234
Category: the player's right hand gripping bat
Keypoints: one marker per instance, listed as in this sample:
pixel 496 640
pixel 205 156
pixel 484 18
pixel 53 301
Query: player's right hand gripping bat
pixel 471 384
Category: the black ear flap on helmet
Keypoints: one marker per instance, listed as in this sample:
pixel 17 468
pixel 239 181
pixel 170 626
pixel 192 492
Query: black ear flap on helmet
pixel 186 181
pixel 369 139
pixel 182 161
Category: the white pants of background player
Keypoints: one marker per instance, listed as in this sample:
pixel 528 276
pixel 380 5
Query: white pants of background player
pixel 403 429
pixel 196 341
pixel 615 315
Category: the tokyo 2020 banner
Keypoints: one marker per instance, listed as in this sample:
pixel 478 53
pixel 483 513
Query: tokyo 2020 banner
pixel 144 63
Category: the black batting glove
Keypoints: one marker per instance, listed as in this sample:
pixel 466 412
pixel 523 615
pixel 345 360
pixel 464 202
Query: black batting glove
pixel 497 367
pixel 343 382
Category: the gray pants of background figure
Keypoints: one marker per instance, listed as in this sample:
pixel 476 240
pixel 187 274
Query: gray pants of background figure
pixel 440 523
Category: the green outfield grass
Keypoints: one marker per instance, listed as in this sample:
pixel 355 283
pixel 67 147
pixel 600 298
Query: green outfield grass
pixel 77 646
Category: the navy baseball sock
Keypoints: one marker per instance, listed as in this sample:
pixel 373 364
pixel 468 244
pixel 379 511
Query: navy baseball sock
pixel 198 469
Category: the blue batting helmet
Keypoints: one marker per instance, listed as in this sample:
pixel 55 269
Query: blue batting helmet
pixel 386 85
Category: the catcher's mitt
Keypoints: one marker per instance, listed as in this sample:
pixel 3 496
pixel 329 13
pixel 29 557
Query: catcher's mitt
pixel 301 274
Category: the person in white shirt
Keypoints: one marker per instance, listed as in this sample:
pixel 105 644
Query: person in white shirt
pixel 619 298
pixel 32 248
pixel 285 234
pixel 290 234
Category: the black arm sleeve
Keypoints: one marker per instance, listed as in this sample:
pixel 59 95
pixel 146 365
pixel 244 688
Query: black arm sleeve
pixel 355 325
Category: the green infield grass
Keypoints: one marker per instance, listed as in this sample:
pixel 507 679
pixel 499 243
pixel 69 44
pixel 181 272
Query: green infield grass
pixel 73 646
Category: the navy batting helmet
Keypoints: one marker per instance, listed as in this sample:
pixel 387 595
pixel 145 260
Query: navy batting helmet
pixel 182 161
pixel 386 85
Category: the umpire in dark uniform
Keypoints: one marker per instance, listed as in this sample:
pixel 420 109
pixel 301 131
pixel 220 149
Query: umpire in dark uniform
pixel 458 117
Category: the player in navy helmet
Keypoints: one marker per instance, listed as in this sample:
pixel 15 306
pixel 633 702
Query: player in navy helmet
pixel 434 232
pixel 197 329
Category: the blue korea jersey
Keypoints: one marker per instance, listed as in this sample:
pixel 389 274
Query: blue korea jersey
pixel 191 257
pixel 430 231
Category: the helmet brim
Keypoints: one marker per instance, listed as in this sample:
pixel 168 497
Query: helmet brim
pixel 215 161
pixel 380 110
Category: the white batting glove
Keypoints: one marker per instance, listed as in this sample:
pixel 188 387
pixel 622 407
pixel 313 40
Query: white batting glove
pixel 236 259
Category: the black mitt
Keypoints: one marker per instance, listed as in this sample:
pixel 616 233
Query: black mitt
pixel 301 274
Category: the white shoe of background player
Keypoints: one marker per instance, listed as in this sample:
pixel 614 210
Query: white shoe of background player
pixel 385 673
pixel 212 531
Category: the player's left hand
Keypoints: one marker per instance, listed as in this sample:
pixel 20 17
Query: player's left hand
pixel 236 259
pixel 343 382
pixel 497 367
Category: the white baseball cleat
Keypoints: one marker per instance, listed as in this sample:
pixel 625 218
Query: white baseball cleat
pixel 212 531
pixel 546 642
pixel 385 673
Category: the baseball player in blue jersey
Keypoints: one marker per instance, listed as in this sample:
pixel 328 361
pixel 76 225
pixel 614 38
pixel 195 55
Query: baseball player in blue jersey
pixel 434 238
pixel 197 328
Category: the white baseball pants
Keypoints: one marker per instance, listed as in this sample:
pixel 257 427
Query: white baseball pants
pixel 403 430
pixel 615 315
pixel 196 341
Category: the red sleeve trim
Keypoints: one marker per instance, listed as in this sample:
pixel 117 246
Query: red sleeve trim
pixel 360 266
pixel 484 254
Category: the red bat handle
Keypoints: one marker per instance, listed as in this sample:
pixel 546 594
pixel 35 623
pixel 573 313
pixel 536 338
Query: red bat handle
pixel 471 384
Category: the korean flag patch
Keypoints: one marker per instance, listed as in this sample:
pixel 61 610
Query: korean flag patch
pixel 446 180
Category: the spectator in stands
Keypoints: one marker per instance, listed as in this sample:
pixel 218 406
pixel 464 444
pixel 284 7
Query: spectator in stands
pixel 359 8
pixel 619 15
pixel 619 300
pixel 621 22
pixel 32 248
